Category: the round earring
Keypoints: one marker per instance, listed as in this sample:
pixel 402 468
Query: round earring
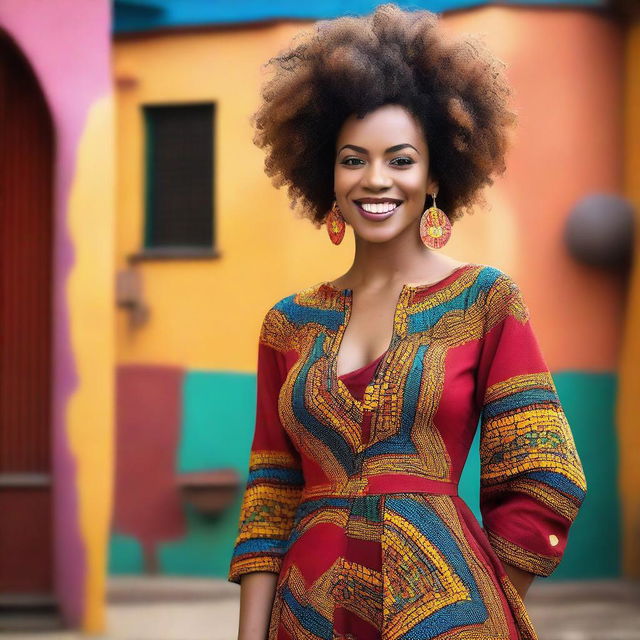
pixel 335 224
pixel 435 227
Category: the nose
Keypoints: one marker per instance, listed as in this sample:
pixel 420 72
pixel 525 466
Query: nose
pixel 375 176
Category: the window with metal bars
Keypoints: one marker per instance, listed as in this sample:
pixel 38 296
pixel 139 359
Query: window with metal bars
pixel 179 180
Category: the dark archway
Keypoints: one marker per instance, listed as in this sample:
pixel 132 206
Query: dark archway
pixel 26 183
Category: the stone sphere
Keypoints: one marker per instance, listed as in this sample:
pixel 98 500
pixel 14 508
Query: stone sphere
pixel 599 231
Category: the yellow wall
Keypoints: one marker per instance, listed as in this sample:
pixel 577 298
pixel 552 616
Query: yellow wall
pixel 198 305
pixel 90 411
pixel 629 385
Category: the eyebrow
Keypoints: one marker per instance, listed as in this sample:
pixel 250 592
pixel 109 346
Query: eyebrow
pixel 396 147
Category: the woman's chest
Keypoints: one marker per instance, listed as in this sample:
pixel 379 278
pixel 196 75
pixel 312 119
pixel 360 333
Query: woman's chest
pixel 424 381
pixel 367 330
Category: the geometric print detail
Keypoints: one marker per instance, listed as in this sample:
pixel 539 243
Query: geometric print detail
pixel 429 588
pixel 524 433
pixel 416 577
pixel 270 500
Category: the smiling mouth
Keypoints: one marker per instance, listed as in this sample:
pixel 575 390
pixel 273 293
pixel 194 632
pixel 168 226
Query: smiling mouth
pixel 385 206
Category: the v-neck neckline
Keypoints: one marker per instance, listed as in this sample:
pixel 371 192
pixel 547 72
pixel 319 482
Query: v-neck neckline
pixel 406 290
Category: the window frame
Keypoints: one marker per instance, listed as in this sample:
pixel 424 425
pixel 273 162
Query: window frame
pixel 172 252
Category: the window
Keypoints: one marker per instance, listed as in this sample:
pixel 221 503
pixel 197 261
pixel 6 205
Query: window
pixel 179 168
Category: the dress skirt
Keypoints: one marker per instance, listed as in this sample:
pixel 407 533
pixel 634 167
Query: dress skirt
pixel 399 565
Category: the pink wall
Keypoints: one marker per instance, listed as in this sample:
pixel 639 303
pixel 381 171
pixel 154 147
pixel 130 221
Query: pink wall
pixel 68 45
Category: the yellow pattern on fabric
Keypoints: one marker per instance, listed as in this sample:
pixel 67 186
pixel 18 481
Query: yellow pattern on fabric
pixel 522 440
pixel 496 623
pixel 419 578
pixel 439 587
pixel 358 589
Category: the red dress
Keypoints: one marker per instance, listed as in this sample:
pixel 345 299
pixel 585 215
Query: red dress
pixel 352 491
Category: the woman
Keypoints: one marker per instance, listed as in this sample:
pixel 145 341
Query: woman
pixel 371 386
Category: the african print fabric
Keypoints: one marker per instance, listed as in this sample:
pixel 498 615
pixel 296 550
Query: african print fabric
pixel 352 495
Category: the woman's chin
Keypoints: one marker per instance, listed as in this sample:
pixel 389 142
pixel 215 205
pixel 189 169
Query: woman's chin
pixel 379 233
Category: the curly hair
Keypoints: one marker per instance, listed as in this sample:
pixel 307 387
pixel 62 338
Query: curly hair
pixel 454 87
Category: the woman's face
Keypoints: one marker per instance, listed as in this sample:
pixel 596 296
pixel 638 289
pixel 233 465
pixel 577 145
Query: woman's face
pixel 381 174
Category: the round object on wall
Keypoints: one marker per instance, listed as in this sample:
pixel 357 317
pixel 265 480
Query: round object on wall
pixel 599 231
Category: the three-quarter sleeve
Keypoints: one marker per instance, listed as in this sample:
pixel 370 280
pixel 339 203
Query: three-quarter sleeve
pixel 531 478
pixel 275 479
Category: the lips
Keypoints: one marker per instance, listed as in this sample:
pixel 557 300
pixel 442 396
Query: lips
pixel 377 216
pixel 377 200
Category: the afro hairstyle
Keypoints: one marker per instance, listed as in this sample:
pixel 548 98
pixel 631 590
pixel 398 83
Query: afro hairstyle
pixel 454 86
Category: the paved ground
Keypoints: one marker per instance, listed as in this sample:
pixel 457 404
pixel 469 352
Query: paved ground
pixel 198 609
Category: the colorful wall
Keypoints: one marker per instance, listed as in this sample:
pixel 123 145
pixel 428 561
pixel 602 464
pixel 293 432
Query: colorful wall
pixel 68 46
pixel 193 363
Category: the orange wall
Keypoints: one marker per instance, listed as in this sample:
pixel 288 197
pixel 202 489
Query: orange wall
pixel 568 94
pixel 629 386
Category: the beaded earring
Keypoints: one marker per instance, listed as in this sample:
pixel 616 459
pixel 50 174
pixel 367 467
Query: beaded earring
pixel 335 224
pixel 435 227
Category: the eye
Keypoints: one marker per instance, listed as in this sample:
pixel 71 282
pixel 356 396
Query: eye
pixel 347 162
pixel 406 161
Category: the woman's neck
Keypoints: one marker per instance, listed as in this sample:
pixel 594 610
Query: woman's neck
pixel 380 265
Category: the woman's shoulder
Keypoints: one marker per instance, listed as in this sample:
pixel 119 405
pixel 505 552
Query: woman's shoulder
pixel 502 293
pixel 278 322
pixel 306 296
pixel 493 275
pixel 318 302
pixel 495 282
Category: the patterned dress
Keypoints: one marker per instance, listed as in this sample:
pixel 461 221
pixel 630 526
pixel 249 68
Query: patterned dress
pixel 352 490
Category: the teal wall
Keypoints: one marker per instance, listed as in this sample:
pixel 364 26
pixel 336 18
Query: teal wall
pixel 595 543
pixel 217 430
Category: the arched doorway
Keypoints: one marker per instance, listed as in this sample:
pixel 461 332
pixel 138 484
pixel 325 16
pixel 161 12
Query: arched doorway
pixel 26 166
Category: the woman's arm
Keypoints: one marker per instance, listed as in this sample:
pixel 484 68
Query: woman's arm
pixel 520 578
pixel 531 478
pixel 273 490
pixel 257 590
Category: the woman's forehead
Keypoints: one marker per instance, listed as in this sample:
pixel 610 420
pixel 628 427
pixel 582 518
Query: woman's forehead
pixel 384 127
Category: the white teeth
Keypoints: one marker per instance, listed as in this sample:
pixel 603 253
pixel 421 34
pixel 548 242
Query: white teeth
pixel 378 207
